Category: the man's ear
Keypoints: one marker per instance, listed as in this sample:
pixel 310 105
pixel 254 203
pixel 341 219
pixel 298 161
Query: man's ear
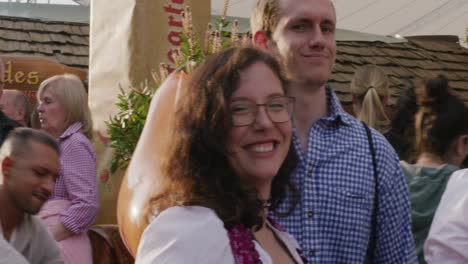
pixel 20 114
pixel 6 165
pixel 260 39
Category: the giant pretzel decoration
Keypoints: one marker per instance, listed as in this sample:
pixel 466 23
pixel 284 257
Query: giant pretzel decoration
pixel 141 177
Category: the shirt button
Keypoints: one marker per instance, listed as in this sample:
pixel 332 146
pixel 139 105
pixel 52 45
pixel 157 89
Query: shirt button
pixel 311 253
pixel 309 173
pixel 310 214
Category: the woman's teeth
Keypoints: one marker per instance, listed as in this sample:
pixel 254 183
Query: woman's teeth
pixel 262 147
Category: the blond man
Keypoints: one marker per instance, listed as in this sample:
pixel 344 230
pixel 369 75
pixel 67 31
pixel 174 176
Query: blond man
pixel 354 203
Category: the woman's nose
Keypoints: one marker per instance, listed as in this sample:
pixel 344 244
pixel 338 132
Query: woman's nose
pixel 262 119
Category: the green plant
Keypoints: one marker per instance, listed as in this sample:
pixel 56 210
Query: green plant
pixel 126 126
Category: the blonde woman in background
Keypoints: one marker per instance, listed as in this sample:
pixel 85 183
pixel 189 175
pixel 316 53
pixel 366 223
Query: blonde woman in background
pixel 369 88
pixel 72 208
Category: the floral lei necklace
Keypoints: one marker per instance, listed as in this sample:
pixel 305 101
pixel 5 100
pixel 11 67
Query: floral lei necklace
pixel 243 247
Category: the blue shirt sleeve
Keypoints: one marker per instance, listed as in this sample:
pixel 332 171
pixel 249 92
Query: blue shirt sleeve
pixel 395 243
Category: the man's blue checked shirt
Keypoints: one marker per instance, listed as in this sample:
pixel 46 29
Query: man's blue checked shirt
pixel 335 180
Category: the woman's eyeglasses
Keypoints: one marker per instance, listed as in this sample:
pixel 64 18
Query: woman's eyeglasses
pixel 279 110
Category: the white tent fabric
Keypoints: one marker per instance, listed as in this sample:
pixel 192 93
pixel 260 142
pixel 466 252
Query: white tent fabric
pixel 384 17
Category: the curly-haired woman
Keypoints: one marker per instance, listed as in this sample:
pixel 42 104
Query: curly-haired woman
pixel 228 167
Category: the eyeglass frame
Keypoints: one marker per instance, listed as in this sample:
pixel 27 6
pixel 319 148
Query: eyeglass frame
pixel 291 101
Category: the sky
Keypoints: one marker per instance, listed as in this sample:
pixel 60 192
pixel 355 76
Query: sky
pixel 385 17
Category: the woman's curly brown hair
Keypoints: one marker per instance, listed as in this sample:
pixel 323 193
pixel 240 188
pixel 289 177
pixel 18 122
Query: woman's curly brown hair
pixel 196 169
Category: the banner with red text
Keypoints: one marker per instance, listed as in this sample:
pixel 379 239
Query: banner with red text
pixel 25 73
pixel 129 39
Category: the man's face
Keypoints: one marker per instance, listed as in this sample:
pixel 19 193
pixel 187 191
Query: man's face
pixel 305 39
pixel 30 177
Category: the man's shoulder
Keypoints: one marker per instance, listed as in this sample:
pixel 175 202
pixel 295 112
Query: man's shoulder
pixel 6 125
pixel 350 141
pixel 6 122
pixel 9 254
pixel 34 224
pixel 356 130
pixel 46 248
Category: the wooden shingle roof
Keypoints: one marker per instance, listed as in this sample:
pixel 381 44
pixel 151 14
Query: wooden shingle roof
pixel 417 58
pixel 68 43
pixel 63 42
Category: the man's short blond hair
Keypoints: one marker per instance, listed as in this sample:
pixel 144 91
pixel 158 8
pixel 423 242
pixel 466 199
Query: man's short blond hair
pixel 265 16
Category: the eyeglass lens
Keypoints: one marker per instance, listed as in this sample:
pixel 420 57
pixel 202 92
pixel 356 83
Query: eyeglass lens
pixel 244 112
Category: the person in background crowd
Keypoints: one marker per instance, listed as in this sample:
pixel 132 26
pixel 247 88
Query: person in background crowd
pixel 15 105
pixel 29 168
pixel 72 208
pixel 6 124
pixel 401 134
pixel 352 209
pixel 369 88
pixel 229 163
pixel 441 126
pixel 448 236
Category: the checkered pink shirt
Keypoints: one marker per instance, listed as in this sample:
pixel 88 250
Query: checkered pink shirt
pixel 77 181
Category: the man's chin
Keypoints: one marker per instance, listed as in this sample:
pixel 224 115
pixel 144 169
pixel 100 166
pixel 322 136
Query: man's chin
pixel 32 211
pixel 313 80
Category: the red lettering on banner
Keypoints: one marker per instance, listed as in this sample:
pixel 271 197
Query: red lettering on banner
pixel 175 25
pixel 171 9
pixel 171 53
pixel 170 69
pixel 175 38
pixel 31 95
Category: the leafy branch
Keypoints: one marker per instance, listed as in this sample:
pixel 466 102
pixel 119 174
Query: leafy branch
pixel 126 126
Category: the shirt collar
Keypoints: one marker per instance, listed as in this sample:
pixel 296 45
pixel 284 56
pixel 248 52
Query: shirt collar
pixel 336 113
pixel 74 128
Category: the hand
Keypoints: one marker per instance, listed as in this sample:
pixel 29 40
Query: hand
pixel 60 232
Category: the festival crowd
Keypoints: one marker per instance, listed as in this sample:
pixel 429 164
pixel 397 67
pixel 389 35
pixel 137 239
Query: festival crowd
pixel 264 164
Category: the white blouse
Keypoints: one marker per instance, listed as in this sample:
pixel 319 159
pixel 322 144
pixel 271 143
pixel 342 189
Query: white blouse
pixel 447 241
pixel 195 234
